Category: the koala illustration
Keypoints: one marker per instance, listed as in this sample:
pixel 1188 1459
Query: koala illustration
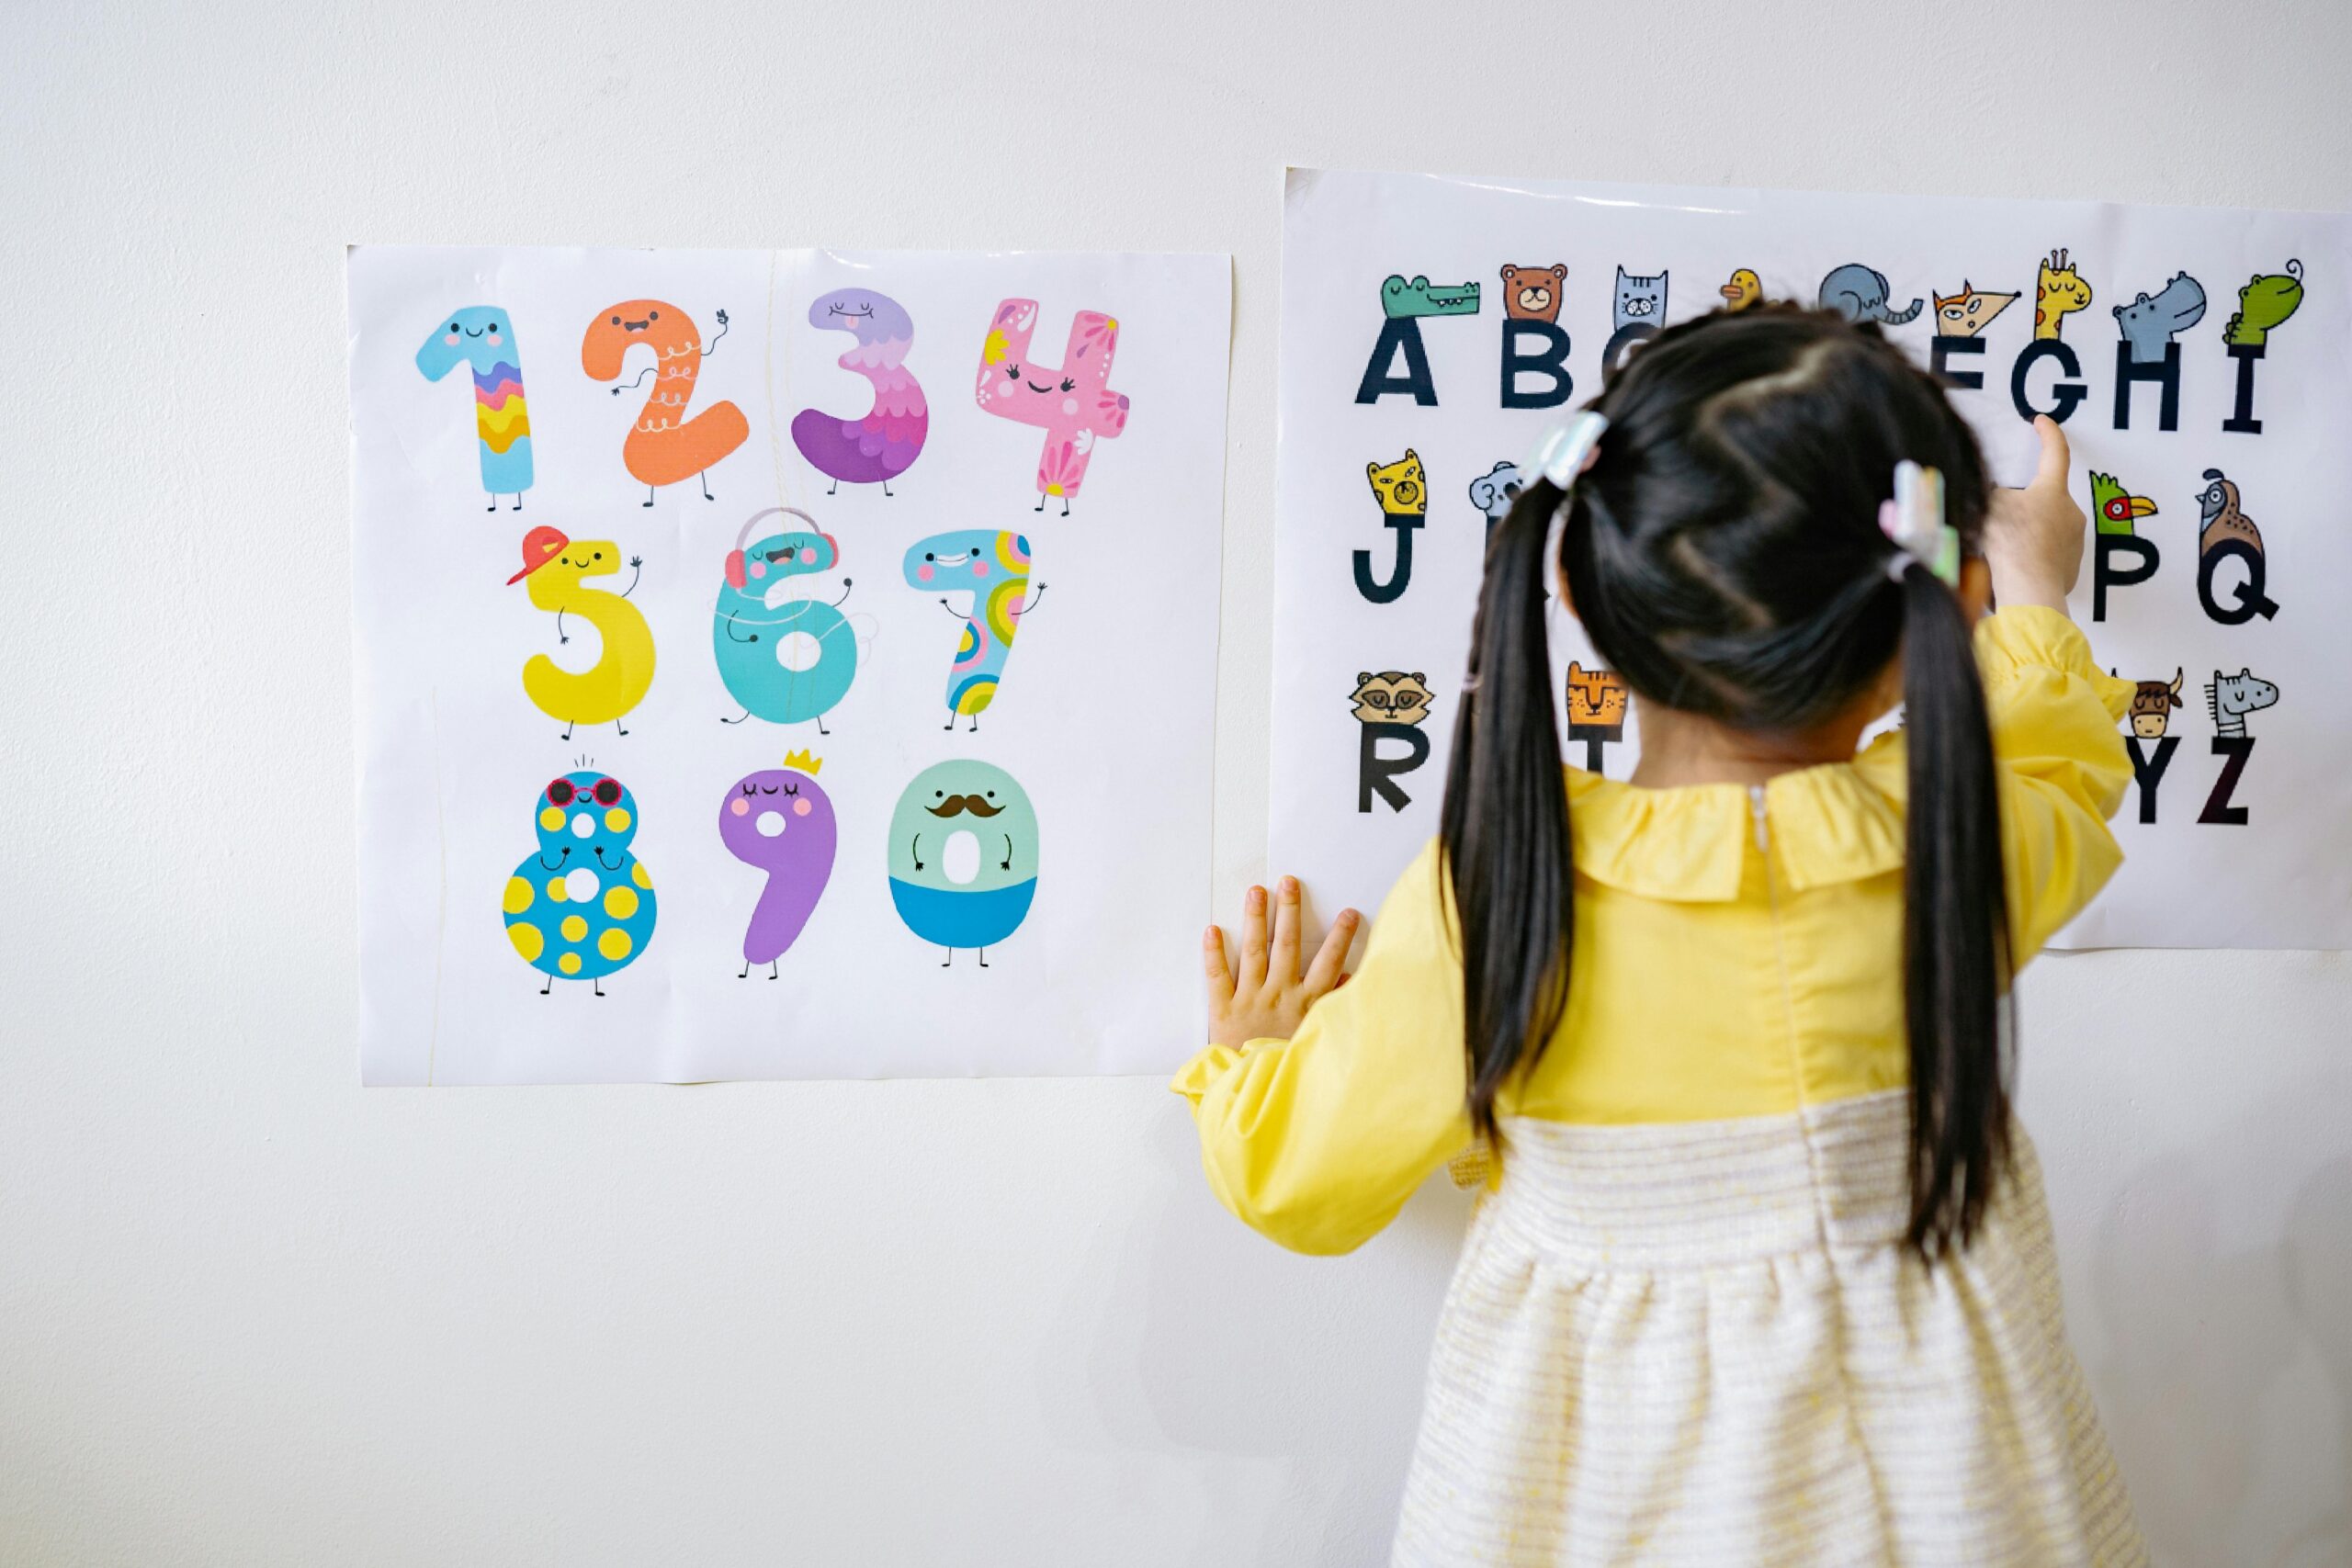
pixel 1401 487
pixel 1391 697
pixel 1532 293
pixel 1493 492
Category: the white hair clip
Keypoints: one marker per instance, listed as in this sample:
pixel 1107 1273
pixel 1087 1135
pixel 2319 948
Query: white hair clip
pixel 1914 522
pixel 1570 448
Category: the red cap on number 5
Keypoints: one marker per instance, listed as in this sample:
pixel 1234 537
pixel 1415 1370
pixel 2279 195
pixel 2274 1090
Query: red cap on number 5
pixel 539 547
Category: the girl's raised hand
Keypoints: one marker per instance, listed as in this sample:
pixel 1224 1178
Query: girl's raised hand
pixel 1270 994
pixel 2033 540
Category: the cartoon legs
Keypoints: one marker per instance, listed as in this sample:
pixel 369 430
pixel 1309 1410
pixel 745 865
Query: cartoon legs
pixel 773 963
pixel 493 502
pixel 951 957
pixel 704 477
pixel 595 985
pixel 617 724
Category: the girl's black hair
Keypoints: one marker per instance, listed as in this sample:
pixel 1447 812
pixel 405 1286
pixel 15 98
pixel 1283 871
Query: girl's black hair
pixel 1724 556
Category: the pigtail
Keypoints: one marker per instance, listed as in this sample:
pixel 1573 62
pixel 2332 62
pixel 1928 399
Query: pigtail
pixel 1955 937
pixel 1505 823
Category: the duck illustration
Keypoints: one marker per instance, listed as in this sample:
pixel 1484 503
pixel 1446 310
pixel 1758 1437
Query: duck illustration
pixel 1743 290
pixel 582 907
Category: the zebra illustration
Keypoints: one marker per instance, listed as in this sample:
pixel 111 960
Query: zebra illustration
pixel 2230 697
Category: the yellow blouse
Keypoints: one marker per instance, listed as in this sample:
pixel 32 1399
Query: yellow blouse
pixel 1738 953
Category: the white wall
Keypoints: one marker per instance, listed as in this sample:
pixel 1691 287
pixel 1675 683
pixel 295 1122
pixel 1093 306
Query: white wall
pixel 252 1314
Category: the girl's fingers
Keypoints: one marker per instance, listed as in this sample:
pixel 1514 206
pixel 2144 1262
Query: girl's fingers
pixel 1324 974
pixel 1212 965
pixel 1253 938
pixel 1285 966
pixel 2050 473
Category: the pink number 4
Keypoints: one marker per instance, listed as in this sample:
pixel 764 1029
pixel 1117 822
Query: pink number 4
pixel 1073 403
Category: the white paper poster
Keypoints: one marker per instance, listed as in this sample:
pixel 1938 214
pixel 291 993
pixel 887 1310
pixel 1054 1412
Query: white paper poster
pixel 754 658
pixel 1433 329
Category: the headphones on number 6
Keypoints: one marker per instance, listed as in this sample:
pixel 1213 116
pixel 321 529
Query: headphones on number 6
pixel 739 570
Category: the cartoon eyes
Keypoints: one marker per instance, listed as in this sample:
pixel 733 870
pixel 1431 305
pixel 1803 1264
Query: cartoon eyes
pixel 789 789
pixel 652 315
pixel 1069 385
pixel 453 326
pixel 939 795
pixel 928 556
pixel 560 791
pixel 1012 372
pixel 616 320
pixel 607 792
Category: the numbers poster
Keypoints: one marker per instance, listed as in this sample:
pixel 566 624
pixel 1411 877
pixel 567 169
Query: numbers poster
pixel 778 664
pixel 2200 360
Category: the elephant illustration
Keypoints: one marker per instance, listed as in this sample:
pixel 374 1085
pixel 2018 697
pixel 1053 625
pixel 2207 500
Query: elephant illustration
pixel 1859 294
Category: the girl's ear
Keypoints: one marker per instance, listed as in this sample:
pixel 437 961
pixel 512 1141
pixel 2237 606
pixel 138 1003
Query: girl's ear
pixel 1975 587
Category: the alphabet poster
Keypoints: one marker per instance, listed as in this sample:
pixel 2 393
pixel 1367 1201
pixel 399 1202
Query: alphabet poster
pixel 1434 329
pixel 780 664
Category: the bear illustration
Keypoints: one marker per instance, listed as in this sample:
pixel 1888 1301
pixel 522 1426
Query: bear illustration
pixel 1532 293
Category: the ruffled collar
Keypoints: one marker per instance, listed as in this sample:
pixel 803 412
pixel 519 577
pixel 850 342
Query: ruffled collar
pixel 1836 822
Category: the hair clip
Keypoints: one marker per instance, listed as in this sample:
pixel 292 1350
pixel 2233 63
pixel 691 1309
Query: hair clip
pixel 1914 522
pixel 1570 448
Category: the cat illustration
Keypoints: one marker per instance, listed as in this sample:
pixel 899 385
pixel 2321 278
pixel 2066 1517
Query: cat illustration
pixel 1640 301
pixel 1970 312
pixel 2058 293
pixel 1391 697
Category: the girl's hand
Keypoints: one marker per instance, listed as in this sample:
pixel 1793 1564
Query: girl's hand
pixel 2033 540
pixel 1269 996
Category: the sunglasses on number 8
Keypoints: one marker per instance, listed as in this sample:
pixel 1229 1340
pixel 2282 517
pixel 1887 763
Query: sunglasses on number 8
pixel 606 791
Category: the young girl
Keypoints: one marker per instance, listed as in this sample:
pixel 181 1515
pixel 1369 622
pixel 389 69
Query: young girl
pixel 1763 1274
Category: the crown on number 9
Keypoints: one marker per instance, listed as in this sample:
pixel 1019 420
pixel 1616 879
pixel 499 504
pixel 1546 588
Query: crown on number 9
pixel 804 762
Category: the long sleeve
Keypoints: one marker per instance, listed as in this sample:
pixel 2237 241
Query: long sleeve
pixel 2063 769
pixel 1317 1141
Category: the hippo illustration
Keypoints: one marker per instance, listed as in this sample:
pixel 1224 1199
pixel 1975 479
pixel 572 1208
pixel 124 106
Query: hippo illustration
pixel 2149 324
pixel 1859 294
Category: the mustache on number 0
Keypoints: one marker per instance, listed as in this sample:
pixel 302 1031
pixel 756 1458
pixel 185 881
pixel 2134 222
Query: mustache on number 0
pixel 956 804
